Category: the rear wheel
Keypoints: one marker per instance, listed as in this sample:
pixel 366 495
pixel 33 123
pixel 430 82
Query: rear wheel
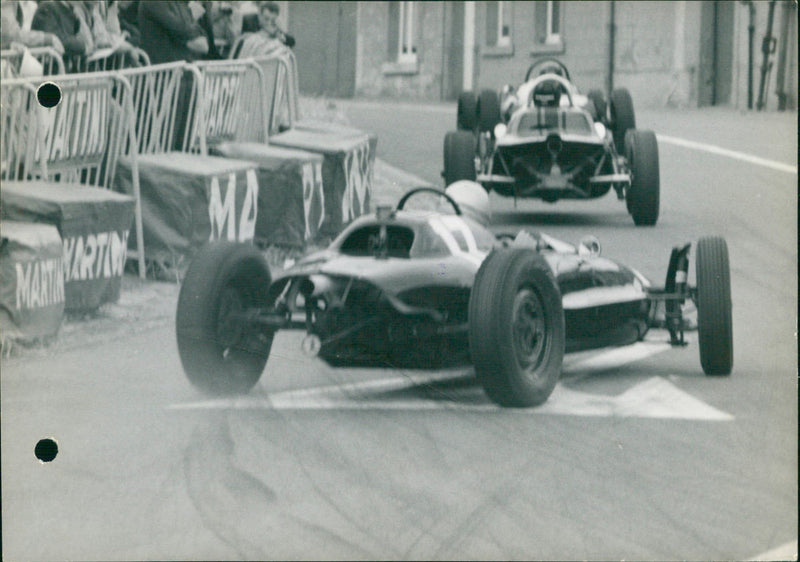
pixel 643 197
pixel 488 110
pixel 221 353
pixel 516 328
pixel 622 116
pixel 467 116
pixel 714 318
pixel 459 157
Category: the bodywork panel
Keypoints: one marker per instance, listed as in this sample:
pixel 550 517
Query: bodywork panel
pixel 412 311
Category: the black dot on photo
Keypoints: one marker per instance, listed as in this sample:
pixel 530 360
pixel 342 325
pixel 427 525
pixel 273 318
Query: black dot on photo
pixel 49 94
pixel 46 450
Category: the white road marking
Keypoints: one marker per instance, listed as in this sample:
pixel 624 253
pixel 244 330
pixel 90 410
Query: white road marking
pixel 787 551
pixel 713 149
pixel 653 398
pixel 612 358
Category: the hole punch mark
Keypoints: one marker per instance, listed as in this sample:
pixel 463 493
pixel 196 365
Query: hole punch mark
pixel 46 450
pixel 49 94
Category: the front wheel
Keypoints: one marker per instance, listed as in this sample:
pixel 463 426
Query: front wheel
pixel 516 328
pixel 714 318
pixel 459 157
pixel 221 352
pixel 643 197
pixel 622 116
pixel 467 114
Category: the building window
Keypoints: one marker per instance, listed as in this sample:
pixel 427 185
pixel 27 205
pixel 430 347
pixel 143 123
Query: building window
pixel 498 24
pixel 553 35
pixel 408 50
pixel 402 39
pixel 402 44
pixel 547 27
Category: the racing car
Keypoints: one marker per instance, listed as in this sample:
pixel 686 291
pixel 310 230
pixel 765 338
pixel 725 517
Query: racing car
pixel 546 140
pixel 416 288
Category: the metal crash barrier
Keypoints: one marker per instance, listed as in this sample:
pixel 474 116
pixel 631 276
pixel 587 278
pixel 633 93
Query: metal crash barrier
pixel 57 167
pixel 51 61
pixel 163 97
pixel 231 104
pixel 280 88
pixel 107 59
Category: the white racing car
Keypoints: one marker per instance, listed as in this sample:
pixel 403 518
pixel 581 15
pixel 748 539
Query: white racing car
pixel 546 140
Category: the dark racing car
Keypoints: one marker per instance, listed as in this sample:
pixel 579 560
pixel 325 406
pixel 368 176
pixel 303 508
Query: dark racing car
pixel 548 141
pixel 411 288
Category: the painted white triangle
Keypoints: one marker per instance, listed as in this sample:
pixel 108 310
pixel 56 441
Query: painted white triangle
pixel 653 398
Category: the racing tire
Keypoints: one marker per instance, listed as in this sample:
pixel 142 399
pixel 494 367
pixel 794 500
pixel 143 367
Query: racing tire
pixel 467 115
pixel 598 99
pixel 459 157
pixel 516 328
pixel 622 116
pixel 643 196
pixel 222 354
pixel 714 305
pixel 488 110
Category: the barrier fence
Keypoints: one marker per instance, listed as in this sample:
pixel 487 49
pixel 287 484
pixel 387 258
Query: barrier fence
pixel 231 104
pixel 80 140
pixel 280 88
pixel 51 61
pixel 109 59
pixel 119 115
pixel 163 97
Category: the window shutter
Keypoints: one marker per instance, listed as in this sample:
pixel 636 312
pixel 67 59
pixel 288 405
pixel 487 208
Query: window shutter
pixel 491 23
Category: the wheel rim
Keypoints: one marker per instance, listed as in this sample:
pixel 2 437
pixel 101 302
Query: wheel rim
pixel 529 331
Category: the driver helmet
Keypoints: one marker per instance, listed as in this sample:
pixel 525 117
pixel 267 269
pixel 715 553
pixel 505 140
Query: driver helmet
pixel 472 199
pixel 547 94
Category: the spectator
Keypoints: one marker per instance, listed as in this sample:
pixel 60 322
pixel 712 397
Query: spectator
pixel 106 31
pixel 13 29
pixel 269 38
pixel 16 19
pixel 219 22
pixel 169 31
pixel 67 22
pixel 128 15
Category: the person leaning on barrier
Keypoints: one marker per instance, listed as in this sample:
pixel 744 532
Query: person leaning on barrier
pixel 12 29
pixel 268 12
pixel 221 24
pixel 269 38
pixel 106 31
pixel 170 32
pixel 66 21
pixel 128 17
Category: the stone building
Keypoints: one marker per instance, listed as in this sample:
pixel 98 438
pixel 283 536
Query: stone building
pixel 676 53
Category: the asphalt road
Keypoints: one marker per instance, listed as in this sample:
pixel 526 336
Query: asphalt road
pixel 637 455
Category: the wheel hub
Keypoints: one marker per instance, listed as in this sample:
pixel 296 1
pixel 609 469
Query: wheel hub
pixel 528 327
